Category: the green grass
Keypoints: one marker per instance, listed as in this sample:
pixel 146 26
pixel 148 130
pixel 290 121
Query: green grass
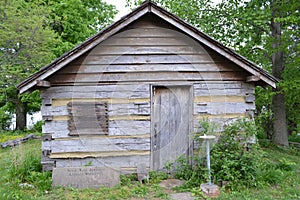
pixel 19 165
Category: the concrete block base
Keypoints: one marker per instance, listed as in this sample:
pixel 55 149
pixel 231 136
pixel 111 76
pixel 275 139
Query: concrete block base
pixel 210 190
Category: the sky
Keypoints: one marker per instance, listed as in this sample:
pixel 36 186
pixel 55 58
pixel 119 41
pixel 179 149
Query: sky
pixel 123 10
pixel 120 5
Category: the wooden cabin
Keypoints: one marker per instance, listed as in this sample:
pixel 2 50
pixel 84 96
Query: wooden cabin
pixel 134 93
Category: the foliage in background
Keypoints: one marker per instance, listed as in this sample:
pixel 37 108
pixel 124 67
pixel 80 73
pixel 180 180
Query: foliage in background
pixel 25 46
pixel 32 34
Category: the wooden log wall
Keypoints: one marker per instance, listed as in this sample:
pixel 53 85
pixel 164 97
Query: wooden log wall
pixel 120 71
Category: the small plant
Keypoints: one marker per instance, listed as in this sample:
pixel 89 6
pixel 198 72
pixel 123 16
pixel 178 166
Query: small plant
pixel 88 164
pixel 38 126
pixel 157 177
pixel 127 180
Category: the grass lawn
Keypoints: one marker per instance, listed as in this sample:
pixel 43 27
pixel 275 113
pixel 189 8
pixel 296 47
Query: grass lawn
pixel 25 158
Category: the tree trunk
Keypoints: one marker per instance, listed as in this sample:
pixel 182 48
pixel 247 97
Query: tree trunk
pixel 20 115
pixel 280 134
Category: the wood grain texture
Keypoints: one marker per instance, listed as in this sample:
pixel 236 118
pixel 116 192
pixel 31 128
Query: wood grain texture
pixel 100 145
pixel 116 161
pixel 97 154
pixel 170 124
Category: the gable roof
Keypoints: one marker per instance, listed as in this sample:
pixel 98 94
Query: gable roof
pixel 258 73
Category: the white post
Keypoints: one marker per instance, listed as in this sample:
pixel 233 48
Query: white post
pixel 207 139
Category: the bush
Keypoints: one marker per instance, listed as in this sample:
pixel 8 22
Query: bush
pixel 5 119
pixel 236 157
pixel 38 126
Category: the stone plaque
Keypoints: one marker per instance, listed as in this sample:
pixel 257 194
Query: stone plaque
pixel 85 177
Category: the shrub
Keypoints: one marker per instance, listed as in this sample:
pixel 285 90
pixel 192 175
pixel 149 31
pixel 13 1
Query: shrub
pixel 235 158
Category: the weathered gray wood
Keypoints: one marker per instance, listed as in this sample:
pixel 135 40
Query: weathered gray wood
pixel 148 59
pixel 176 49
pixel 150 41
pixel 47 137
pixel 43 83
pixel 170 136
pixel 222 108
pixel 16 142
pixel 195 67
pixel 47 117
pixel 88 118
pixel 161 76
pixel 142 172
pixel 224 85
pixel 120 127
pixel 250 113
pixel 55 127
pixel 99 91
pixel 221 91
pixel 46 101
pixel 99 145
pixel 250 98
pixel 252 78
pixel 129 127
pixel 113 109
pixel 118 161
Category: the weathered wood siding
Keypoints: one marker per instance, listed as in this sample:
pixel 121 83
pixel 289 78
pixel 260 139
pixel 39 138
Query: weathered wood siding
pixel 120 71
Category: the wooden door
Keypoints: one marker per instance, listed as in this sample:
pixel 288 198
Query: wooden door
pixel 170 120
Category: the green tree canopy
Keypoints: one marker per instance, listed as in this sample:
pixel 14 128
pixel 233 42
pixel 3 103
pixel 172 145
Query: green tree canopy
pixel 33 33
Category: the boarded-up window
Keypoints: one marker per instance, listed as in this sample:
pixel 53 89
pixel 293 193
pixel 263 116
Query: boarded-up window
pixel 88 118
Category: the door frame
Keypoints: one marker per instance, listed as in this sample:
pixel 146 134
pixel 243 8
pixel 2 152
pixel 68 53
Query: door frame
pixel 191 117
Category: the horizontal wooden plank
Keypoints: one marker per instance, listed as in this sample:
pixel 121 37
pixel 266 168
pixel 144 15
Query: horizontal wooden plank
pixel 90 137
pixel 141 49
pixel 55 127
pixel 98 88
pixel 127 127
pixel 141 31
pixel 211 85
pixel 64 101
pixel 221 98
pixel 99 91
pixel 142 77
pixel 121 126
pixel 100 145
pixel 97 154
pixel 222 91
pixel 147 41
pixel 219 116
pixel 188 67
pixel 111 118
pixel 117 161
pixel 149 59
pixel 222 107
pixel 122 108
